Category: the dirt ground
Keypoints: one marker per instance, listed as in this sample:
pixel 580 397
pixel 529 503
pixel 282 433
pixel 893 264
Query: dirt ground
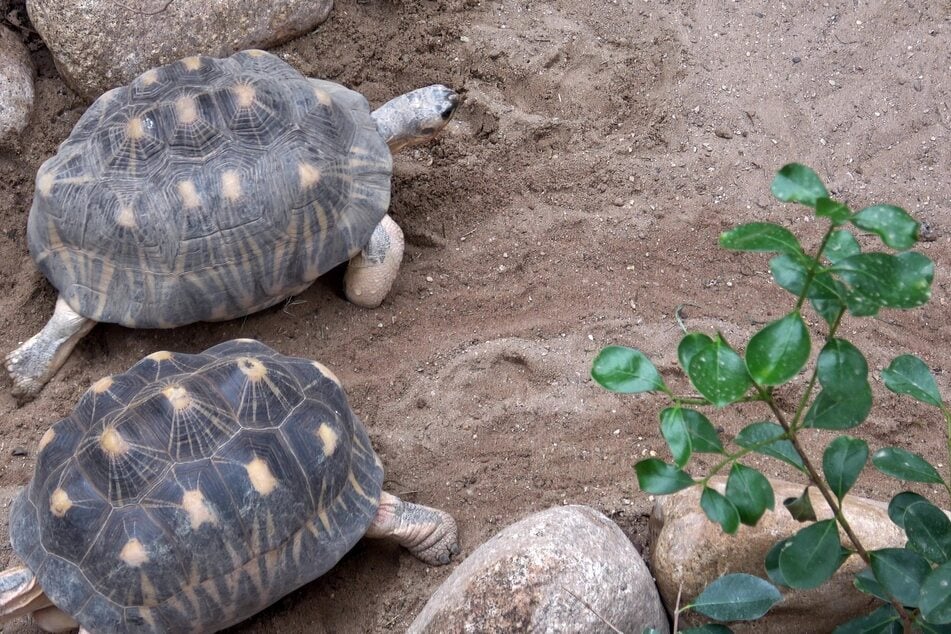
pixel 574 202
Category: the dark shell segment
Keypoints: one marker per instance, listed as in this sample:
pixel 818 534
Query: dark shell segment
pixel 139 519
pixel 206 190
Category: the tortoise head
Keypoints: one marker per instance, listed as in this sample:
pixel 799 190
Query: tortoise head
pixel 417 116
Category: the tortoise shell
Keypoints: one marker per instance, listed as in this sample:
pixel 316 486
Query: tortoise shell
pixel 206 190
pixel 194 490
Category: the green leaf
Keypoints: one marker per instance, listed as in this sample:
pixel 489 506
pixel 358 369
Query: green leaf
pixel 839 411
pixel 656 476
pixel 929 532
pixel 884 620
pixel 690 344
pixel 842 244
pixel 911 283
pixel 798 184
pixel 718 373
pixel 709 628
pixel 842 462
pixel 771 563
pixel 737 597
pixel 673 428
pixel 879 280
pixel 905 465
pixel 900 503
pixel 866 582
pixel 892 224
pixel 828 309
pixel 800 508
pixel 778 352
pixel 720 510
pixel 750 492
pixel 907 374
pixel 833 210
pixel 761 236
pixel 935 597
pixel 791 275
pixel 841 368
pixel 698 433
pixel 811 556
pixel 626 370
pixel 901 572
pixel 919 624
pixel 769 439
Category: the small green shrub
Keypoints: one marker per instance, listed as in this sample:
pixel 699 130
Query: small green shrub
pixel 913 581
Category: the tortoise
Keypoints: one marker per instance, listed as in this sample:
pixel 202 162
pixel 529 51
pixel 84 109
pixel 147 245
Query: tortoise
pixel 194 490
pixel 209 189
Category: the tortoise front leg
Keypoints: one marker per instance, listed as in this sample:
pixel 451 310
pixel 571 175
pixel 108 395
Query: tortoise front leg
pixel 372 271
pixel 36 361
pixel 430 534
pixel 20 593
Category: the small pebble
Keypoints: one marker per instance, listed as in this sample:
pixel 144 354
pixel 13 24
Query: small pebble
pixel 723 133
pixel 18 451
pixel 796 59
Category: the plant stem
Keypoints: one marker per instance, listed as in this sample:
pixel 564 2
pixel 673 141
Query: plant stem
pixel 830 499
pixel 811 273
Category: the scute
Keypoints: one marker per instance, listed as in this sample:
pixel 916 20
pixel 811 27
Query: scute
pixel 126 530
pixel 111 230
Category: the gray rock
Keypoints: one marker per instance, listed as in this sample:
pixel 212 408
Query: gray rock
pixel 567 569
pixel 689 551
pixel 101 44
pixel 16 85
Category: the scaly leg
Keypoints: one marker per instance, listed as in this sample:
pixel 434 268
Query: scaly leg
pixel 428 533
pixel 20 593
pixel 371 273
pixel 36 361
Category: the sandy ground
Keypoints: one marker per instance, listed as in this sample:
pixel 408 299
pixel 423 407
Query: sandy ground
pixel 574 202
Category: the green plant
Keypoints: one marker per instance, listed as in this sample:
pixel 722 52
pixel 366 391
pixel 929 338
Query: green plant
pixel 913 581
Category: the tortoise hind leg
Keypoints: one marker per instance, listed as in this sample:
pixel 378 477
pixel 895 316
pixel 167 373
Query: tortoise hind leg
pixel 372 271
pixel 428 533
pixel 36 361
pixel 20 593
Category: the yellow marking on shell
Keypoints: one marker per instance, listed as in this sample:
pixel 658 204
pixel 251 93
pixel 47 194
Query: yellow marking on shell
pixel 134 129
pixel 324 519
pixel 134 553
pixel 148 589
pixel 244 94
pixel 231 185
pixel 322 97
pixel 192 63
pixel 328 437
pixel 112 442
pixel 261 477
pixel 326 372
pixel 60 502
pixel 255 52
pixel 359 489
pixel 186 110
pixel 45 183
pixel 125 217
pixel 196 506
pixel 149 77
pixel 161 355
pixel 252 368
pixel 47 438
pixel 186 189
pixel 102 385
pixel 308 174
pixel 178 397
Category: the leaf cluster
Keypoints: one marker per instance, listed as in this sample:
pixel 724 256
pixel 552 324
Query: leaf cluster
pixel 838 278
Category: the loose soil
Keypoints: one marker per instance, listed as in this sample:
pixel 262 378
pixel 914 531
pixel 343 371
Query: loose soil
pixel 574 202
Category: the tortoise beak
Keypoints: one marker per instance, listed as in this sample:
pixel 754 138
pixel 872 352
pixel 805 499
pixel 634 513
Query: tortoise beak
pixel 453 100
